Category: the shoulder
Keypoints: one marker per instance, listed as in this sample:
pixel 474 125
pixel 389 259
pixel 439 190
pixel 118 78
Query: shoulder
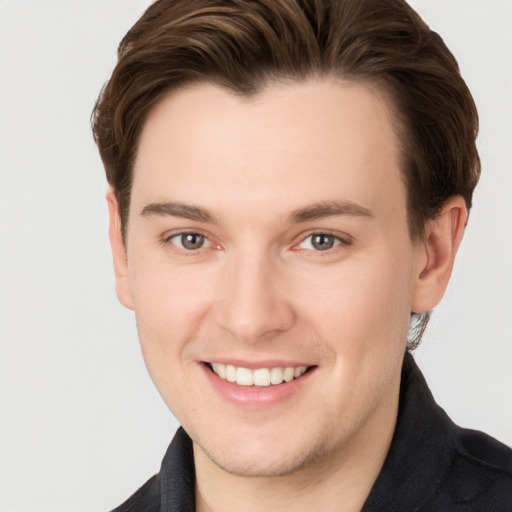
pixel 146 499
pixel 480 475
pixel 483 450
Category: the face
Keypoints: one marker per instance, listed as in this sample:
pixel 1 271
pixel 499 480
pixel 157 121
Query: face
pixel 268 245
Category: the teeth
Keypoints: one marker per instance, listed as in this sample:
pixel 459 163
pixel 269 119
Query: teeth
pixel 244 377
pixel 288 374
pixel 220 370
pixel 276 375
pixel 260 377
pixel 230 373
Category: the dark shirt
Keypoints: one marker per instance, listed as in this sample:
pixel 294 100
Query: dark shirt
pixel 432 465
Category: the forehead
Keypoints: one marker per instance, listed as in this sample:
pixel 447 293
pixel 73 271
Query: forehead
pixel 288 146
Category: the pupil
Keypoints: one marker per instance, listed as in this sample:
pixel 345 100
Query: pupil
pixel 192 241
pixel 323 242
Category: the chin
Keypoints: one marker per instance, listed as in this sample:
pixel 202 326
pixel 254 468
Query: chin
pixel 270 458
pixel 244 466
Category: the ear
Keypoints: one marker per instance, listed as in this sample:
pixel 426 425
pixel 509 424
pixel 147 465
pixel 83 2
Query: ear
pixel 123 288
pixel 436 254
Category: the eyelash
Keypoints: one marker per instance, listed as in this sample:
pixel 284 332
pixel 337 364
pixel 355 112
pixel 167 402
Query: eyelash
pixel 169 240
pixel 338 241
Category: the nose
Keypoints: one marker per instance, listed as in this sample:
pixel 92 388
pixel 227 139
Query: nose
pixel 253 303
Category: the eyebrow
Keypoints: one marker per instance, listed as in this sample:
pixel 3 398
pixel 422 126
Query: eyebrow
pixel 313 212
pixel 329 209
pixel 182 210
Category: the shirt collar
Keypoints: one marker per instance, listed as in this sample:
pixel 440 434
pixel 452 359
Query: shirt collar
pixel 177 475
pixel 420 452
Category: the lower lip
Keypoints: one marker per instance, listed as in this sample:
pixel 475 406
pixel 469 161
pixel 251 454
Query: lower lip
pixel 255 397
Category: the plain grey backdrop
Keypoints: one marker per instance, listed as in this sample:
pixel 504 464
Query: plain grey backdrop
pixel 81 424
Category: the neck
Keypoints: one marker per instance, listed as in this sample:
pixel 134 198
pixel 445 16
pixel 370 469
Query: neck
pixel 338 483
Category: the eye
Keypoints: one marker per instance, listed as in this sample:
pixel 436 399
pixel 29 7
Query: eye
pixel 320 242
pixel 189 241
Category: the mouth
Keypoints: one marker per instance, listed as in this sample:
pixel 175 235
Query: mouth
pixel 259 377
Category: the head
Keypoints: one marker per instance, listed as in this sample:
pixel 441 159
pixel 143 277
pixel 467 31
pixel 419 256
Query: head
pixel 243 46
pixel 273 74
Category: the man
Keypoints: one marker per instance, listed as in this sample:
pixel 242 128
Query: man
pixel 290 182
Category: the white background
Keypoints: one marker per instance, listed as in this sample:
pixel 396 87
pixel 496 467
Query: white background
pixel 81 425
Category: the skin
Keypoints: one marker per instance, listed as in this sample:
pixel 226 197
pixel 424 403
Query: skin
pixel 259 291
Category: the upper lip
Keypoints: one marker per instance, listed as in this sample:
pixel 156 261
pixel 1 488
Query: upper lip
pixel 266 363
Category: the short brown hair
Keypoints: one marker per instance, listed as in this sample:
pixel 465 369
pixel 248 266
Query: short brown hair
pixel 242 45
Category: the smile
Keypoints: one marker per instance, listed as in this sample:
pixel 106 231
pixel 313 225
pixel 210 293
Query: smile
pixel 259 377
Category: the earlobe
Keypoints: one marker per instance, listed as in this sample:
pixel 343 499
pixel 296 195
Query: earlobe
pixel 436 254
pixel 123 288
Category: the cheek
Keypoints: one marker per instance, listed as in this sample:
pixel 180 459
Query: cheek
pixel 169 307
pixel 361 306
pixel 170 304
pixel 165 293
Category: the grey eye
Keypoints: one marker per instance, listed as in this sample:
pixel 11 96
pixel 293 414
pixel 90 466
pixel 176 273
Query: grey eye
pixel 322 242
pixel 191 241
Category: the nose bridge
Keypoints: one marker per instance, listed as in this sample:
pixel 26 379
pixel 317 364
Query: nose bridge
pixel 253 305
